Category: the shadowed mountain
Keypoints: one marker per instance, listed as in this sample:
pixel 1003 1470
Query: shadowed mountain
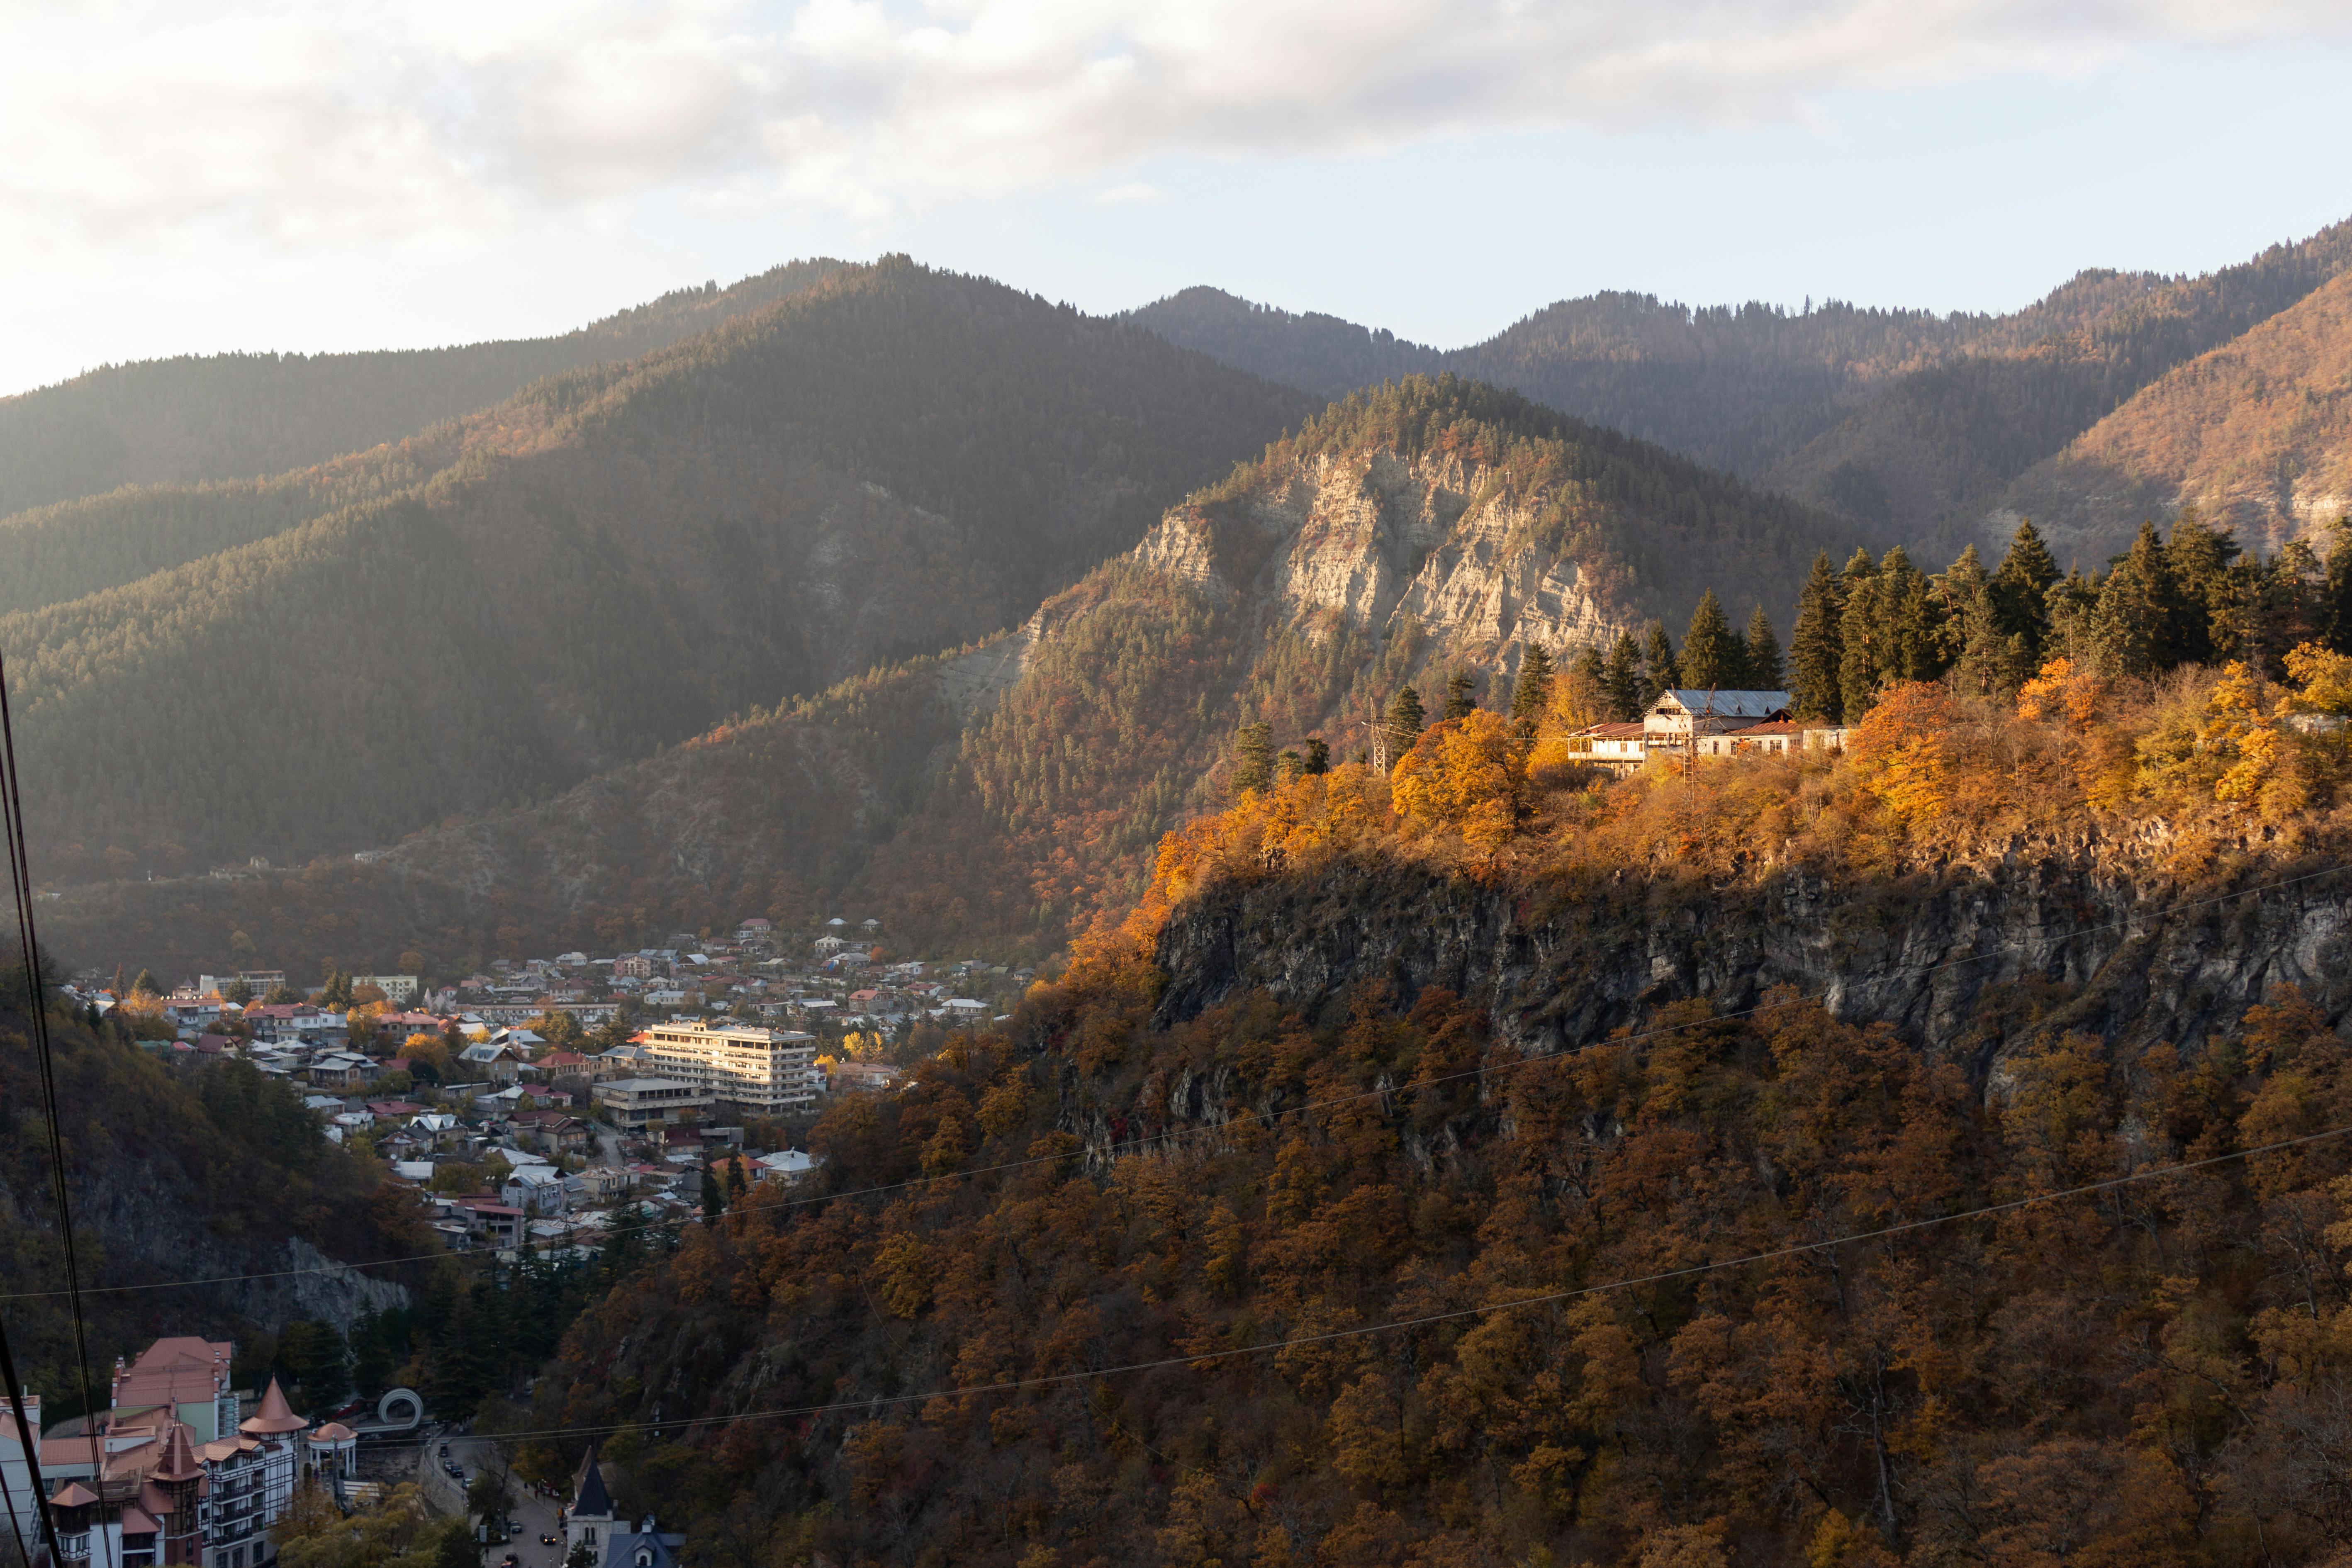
pixel 202 418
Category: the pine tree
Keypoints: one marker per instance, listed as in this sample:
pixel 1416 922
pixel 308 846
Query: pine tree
pixel 1319 755
pixel 1253 757
pixel 2138 621
pixel 1764 668
pixel 1912 622
pixel 1973 643
pixel 1461 700
pixel 1816 654
pixel 1712 659
pixel 1861 639
pixel 2198 558
pixel 1661 672
pixel 1406 723
pixel 714 1200
pixel 1622 678
pixel 1532 689
pixel 2020 588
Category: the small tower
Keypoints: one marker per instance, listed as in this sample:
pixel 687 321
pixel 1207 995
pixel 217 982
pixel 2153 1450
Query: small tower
pixel 591 1519
pixel 177 1477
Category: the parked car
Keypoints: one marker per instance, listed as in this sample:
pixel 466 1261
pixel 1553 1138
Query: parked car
pixel 445 1450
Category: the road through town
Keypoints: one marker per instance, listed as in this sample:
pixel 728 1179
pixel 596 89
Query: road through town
pixel 533 1516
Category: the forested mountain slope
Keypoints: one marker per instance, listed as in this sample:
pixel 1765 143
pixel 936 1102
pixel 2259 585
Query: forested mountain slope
pixel 236 417
pixel 891 460
pixel 2256 435
pixel 1909 423
pixel 1666 1177
pixel 186 1172
pixel 1926 465
pixel 1016 791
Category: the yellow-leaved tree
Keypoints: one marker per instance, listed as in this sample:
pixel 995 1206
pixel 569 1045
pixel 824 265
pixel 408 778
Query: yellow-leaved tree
pixel 1899 751
pixel 1466 774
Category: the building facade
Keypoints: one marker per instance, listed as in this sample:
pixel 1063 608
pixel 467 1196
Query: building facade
pixel 765 1072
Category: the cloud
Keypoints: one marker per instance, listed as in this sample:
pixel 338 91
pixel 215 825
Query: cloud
pixel 304 123
pixel 1134 193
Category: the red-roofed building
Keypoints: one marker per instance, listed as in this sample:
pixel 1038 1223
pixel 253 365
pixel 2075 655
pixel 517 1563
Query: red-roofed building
pixel 167 1476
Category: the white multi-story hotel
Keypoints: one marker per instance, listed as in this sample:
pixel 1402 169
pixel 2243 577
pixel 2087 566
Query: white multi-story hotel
pixel 766 1072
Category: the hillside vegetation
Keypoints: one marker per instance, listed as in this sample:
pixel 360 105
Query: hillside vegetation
pixel 236 417
pixel 2256 436
pixel 1926 463
pixel 173 1173
pixel 1011 794
pixel 1359 1281
pixel 892 461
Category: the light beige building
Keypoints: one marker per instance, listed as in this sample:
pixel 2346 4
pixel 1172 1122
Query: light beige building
pixel 636 1103
pixel 765 1072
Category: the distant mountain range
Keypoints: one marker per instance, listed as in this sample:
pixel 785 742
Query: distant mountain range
pixel 789 522
pixel 1913 426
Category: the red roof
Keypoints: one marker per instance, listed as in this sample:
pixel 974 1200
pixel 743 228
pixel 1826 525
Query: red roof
pixel 184 1370
pixel 179 1462
pixel 1613 732
pixel 275 1415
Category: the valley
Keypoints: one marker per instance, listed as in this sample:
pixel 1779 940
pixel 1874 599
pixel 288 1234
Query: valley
pixel 947 930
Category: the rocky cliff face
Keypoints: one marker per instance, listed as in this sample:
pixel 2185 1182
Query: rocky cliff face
pixel 1965 960
pixel 1381 542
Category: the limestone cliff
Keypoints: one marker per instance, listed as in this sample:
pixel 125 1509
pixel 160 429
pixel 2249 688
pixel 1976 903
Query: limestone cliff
pixel 1963 959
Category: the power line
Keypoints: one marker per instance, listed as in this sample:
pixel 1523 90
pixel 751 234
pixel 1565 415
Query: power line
pixel 31 1442
pixel 1794 1249
pixel 20 879
pixel 1201 1129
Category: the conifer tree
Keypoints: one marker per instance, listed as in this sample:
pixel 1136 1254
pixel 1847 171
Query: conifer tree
pixel 1816 653
pixel 1764 666
pixel 1319 755
pixel 1533 687
pixel 1973 643
pixel 1622 678
pixel 714 1198
pixel 1661 672
pixel 1860 638
pixel 1406 723
pixel 1253 757
pixel 1712 659
pixel 2198 558
pixel 2135 625
pixel 2020 588
pixel 1580 694
pixel 1461 700
pixel 1912 622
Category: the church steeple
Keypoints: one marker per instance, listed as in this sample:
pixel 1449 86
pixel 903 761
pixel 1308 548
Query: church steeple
pixel 590 1523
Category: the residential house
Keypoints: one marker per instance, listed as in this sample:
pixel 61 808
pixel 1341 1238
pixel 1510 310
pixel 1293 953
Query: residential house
pixel 1679 716
pixel 535 1189
pixel 552 1132
pixel 343 1069
pixel 495 1062
pixel 853 1076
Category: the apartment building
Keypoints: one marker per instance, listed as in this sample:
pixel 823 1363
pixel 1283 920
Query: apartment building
pixel 764 1072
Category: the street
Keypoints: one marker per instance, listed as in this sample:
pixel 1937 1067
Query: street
pixel 534 1516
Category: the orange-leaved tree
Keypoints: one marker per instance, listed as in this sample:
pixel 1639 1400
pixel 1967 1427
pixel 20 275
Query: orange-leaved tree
pixel 1466 774
pixel 1899 750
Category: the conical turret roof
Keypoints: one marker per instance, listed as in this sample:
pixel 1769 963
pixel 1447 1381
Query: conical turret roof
pixel 274 1417
pixel 179 1461
pixel 589 1498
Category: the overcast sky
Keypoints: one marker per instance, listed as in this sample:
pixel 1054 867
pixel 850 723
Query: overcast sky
pixel 194 177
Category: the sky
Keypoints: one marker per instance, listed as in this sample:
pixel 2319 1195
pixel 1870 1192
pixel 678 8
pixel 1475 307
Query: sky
pixel 196 177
